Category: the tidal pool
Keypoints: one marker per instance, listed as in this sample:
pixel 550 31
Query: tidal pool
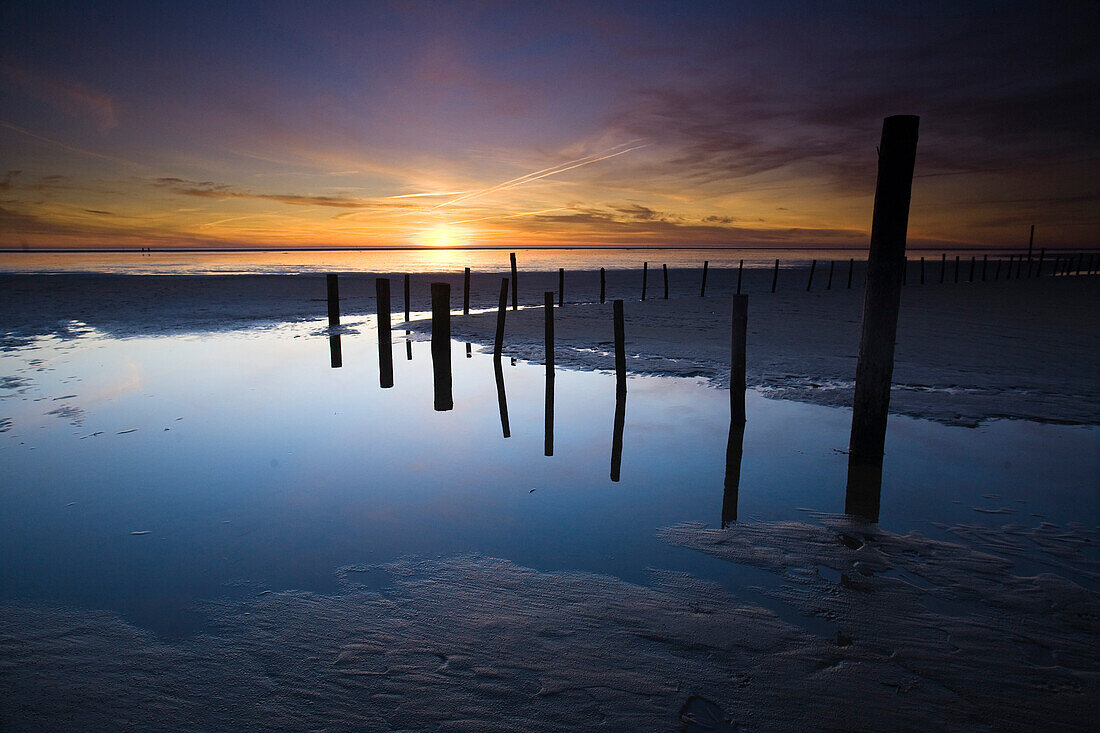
pixel 145 475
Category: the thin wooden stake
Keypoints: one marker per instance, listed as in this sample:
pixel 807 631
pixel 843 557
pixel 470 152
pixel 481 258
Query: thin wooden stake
pixel 739 321
pixel 703 287
pixel 502 310
pixel 333 300
pixel 603 284
pixel 466 292
pixel 620 346
pixel 664 268
pixel 829 282
pixel 775 275
pixel 561 287
pixel 515 282
pixel 740 272
pixel 851 267
pixel 810 282
pixel 406 297
pixel 645 278
pixel 385 339
pixel 441 346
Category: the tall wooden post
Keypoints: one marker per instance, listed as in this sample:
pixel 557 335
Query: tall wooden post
pixel 620 391
pixel 466 292
pixel 943 266
pixel 1039 266
pixel 664 269
pixel 561 287
pixel 739 328
pixel 620 346
pixel 441 346
pixel 740 272
pixel 703 287
pixel 515 282
pixel 502 309
pixel 985 265
pixel 829 282
pixel 406 297
pixel 881 302
pixel 810 282
pixel 385 339
pixel 645 278
pixel 956 268
pixel 1030 246
pixel 333 300
pixel 972 263
pixel 603 284
pixel 851 268
pixel 775 275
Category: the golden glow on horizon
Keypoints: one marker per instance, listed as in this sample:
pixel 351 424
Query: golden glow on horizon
pixel 444 236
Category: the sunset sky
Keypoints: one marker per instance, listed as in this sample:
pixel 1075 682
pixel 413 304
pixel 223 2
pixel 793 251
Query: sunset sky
pixel 182 124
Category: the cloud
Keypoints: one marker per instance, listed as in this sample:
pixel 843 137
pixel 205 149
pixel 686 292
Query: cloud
pixel 211 190
pixel 68 97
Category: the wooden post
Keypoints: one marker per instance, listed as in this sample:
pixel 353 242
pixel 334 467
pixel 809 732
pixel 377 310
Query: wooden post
pixel 740 320
pixel 603 284
pixel 972 263
pixel 881 302
pixel 1011 260
pixel 1030 245
pixel 740 271
pixel 548 315
pixel 466 292
pixel 561 287
pixel 335 356
pixel 1019 266
pixel 385 340
pixel 851 267
pixel 956 268
pixel 502 309
pixel 645 278
pixel 985 265
pixel 620 347
pixel 1039 266
pixel 333 300
pixel 829 282
pixel 943 266
pixel 775 275
pixel 664 268
pixel 922 271
pixel 703 287
pixel 441 346
pixel 515 282
pixel 406 297
pixel 810 282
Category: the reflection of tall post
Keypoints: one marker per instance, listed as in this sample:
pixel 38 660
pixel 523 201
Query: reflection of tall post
pixel 441 346
pixel 333 300
pixel 548 443
pixel 408 347
pixel 385 340
pixel 515 282
pixel 502 308
pixel 336 358
pixel 620 390
pixel 502 398
pixel 732 482
pixel 881 301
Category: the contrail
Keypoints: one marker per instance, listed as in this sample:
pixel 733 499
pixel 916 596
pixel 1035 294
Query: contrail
pixel 510 216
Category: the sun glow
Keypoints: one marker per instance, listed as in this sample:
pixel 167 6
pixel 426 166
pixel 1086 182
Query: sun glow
pixel 444 236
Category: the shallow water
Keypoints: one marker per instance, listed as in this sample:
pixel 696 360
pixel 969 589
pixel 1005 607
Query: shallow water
pixel 144 475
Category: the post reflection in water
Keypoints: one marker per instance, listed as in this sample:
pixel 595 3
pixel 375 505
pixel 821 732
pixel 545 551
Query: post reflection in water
pixel 732 482
pixel 548 443
pixel 336 358
pixel 617 434
pixel 469 351
pixel 441 346
pixel 864 493
pixel 408 347
pixel 502 399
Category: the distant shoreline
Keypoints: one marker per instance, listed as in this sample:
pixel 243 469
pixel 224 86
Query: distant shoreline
pixel 505 248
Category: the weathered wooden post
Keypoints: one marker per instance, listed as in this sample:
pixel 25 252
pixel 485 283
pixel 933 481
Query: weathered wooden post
pixel 335 356
pixel 603 284
pixel 502 397
pixel 466 291
pixel 829 282
pixel 739 329
pixel 645 278
pixel 1030 245
pixel 810 282
pixel 881 302
pixel 515 283
pixel 561 287
pixel 985 265
pixel 441 346
pixel 406 297
pixel 943 266
pixel 333 300
pixel 502 309
pixel 385 339
pixel 664 268
pixel 851 267
pixel 548 315
pixel 703 287
pixel 620 346
pixel 740 272
pixel 973 261
pixel 775 275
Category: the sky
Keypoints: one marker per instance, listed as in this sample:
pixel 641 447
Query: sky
pixel 271 124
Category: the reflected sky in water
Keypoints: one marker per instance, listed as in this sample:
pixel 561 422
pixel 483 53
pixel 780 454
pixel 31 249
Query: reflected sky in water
pixel 249 463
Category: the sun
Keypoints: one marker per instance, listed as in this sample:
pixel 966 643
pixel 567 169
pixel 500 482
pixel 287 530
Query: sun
pixel 443 236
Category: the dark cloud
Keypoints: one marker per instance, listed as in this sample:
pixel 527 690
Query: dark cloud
pixel 211 190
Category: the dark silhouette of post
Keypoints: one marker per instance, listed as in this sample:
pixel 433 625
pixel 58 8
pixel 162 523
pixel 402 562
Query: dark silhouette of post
pixel 515 282
pixel 1011 260
pixel 739 328
pixel 851 267
pixel 973 261
pixel 617 435
pixel 664 268
pixel 335 355
pixel 466 292
pixel 829 282
pixel 620 346
pixel 561 287
pixel 406 298
pixel 943 266
pixel 985 265
pixel 502 398
pixel 385 339
pixel 740 271
pixel 956 268
pixel 469 350
pixel 408 348
pixel 881 302
pixel 502 309
pixel 997 271
pixel 810 282
pixel 1030 246
pixel 732 480
pixel 333 300
pixel 1039 265
pixel 441 346
pixel 775 275
pixel 603 284
pixel 703 287
pixel 1019 266
pixel 548 313
pixel 645 278
pixel 922 271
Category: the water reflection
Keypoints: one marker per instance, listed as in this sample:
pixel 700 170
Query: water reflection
pixel 548 439
pixel 732 481
pixel 441 347
pixel 617 434
pixel 864 491
pixel 336 358
pixel 502 399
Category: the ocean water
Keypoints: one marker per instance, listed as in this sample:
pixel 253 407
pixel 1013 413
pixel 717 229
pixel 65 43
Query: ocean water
pixel 146 475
